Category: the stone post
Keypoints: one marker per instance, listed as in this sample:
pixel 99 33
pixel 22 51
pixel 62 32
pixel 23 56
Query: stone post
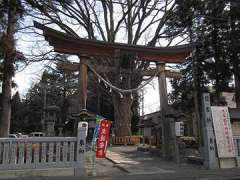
pixel 81 149
pixel 60 131
pixel 176 152
pixel 50 131
pixel 210 158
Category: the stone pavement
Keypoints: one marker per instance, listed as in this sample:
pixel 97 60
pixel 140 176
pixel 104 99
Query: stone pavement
pixel 143 164
pixel 135 162
pixel 100 167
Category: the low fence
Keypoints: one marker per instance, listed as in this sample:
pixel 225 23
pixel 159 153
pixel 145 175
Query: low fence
pixel 44 152
pixel 126 140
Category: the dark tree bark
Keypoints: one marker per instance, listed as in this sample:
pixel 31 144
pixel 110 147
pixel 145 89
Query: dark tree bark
pixel 8 70
pixel 122 115
pixel 234 49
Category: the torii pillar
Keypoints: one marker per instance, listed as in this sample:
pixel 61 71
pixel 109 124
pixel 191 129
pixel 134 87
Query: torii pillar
pixel 83 80
pixel 166 130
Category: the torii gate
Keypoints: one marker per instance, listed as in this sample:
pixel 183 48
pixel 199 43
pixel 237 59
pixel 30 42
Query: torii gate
pixel 84 48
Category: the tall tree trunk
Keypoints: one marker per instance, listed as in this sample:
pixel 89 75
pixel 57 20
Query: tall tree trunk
pixel 6 101
pixel 237 87
pixel 234 50
pixel 8 70
pixel 215 44
pixel 122 115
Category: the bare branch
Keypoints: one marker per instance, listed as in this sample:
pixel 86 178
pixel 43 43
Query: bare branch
pixel 161 24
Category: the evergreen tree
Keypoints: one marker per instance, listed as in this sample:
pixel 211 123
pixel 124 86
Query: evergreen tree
pixel 207 26
pixel 10 12
pixel 234 45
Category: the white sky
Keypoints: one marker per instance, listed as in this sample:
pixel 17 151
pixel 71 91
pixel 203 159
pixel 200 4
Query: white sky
pixel 24 79
pixel 151 96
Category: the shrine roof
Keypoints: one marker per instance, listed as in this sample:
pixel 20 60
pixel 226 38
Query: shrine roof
pixel 64 43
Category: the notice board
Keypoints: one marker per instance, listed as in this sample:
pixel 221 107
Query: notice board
pixel 223 131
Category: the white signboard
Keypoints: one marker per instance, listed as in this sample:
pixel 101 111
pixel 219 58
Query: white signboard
pixel 223 131
pixel 179 128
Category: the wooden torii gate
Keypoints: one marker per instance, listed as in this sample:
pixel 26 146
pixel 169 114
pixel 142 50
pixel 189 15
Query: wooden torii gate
pixel 84 48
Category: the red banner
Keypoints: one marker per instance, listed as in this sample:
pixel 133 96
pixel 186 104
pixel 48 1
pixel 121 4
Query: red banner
pixel 103 139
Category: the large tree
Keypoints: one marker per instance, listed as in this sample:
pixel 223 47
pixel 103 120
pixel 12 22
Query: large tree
pixel 234 48
pixel 10 12
pixel 208 26
pixel 127 21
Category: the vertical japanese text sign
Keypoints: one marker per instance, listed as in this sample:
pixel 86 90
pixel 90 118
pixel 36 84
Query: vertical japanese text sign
pixel 103 139
pixel 81 148
pixel 223 131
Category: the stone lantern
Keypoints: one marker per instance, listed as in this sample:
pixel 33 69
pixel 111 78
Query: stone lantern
pixel 51 119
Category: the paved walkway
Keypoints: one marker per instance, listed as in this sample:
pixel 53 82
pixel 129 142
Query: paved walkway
pixel 100 167
pixel 135 162
pixel 142 164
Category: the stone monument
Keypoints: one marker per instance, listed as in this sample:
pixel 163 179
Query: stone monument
pixel 51 119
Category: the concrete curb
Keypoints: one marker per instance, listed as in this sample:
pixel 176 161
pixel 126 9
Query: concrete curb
pixel 7 174
pixel 116 164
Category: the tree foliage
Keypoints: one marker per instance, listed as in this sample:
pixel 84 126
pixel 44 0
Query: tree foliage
pixel 209 25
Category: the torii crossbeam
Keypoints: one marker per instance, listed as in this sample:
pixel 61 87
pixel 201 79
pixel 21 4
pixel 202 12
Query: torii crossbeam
pixel 64 43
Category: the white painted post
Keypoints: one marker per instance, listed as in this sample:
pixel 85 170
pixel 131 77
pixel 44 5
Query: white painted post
pixel 58 150
pixel 65 151
pixel 13 157
pixel 29 153
pixel 50 152
pixel 43 153
pixel 81 148
pixel 36 153
pixel 71 151
pixel 21 153
pixel 6 153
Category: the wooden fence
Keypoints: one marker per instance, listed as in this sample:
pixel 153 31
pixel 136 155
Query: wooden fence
pixel 126 140
pixel 44 152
